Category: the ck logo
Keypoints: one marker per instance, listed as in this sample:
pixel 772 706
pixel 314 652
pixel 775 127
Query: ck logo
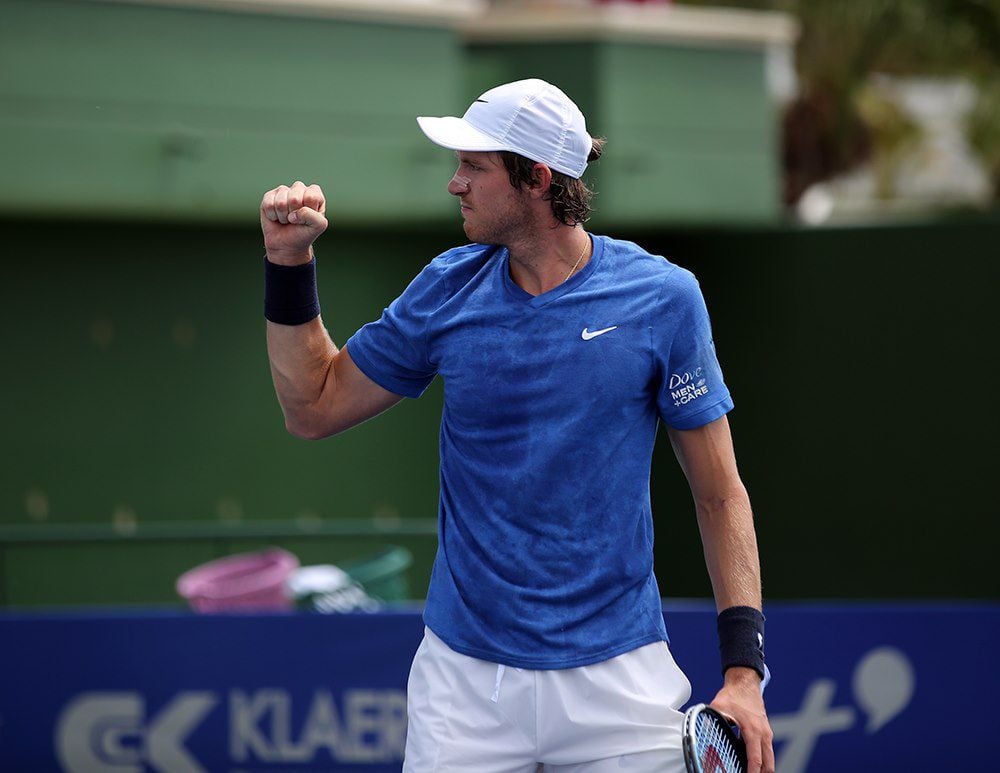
pixel 107 732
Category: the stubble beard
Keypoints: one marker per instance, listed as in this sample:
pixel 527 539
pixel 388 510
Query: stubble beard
pixel 503 229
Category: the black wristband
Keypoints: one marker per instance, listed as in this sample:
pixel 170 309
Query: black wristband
pixel 741 638
pixel 290 293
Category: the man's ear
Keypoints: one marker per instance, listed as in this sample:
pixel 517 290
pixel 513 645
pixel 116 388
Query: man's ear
pixel 541 180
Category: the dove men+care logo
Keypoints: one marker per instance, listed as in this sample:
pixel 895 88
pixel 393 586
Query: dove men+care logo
pixel 687 386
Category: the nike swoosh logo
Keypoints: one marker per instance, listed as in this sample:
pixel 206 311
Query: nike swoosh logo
pixel 586 335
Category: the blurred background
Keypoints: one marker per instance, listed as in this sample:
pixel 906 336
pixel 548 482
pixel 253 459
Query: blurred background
pixel 829 170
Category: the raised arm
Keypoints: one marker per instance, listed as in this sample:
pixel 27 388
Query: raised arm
pixel 727 534
pixel 320 389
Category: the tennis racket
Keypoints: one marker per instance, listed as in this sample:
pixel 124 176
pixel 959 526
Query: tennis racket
pixel 711 744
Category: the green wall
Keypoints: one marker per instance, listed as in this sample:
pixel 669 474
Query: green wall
pixel 137 389
pixel 692 131
pixel 155 112
pixel 173 112
pixel 136 397
pixel 861 362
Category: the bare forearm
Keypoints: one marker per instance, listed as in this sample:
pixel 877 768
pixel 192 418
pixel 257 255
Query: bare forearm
pixel 302 370
pixel 727 534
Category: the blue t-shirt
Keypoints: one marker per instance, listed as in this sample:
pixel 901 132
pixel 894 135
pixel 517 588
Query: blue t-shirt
pixel 551 403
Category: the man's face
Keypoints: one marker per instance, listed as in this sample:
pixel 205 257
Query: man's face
pixel 492 208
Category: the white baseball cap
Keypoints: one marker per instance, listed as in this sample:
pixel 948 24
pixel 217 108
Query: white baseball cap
pixel 531 118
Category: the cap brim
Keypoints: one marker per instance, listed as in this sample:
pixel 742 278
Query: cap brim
pixel 457 134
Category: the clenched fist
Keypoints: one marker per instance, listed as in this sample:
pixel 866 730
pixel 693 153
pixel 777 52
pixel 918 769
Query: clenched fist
pixel 292 219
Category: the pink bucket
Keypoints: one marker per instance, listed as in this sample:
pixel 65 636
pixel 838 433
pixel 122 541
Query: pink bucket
pixel 244 582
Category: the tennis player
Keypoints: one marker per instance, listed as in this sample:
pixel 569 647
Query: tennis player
pixel 560 351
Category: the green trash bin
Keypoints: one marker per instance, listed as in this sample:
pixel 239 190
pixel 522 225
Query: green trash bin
pixel 383 575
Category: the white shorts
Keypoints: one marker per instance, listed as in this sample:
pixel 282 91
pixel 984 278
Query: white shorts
pixel 472 716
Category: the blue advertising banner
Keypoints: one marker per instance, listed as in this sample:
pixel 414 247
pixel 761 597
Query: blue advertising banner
pixel 867 687
pixel 855 687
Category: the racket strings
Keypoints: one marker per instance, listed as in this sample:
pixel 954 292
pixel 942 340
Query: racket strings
pixel 713 748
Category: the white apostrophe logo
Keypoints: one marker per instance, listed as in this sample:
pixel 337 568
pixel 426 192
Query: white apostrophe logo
pixel 102 732
pixel 883 685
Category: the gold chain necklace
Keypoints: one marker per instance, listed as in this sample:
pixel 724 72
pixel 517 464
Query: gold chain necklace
pixel 585 246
